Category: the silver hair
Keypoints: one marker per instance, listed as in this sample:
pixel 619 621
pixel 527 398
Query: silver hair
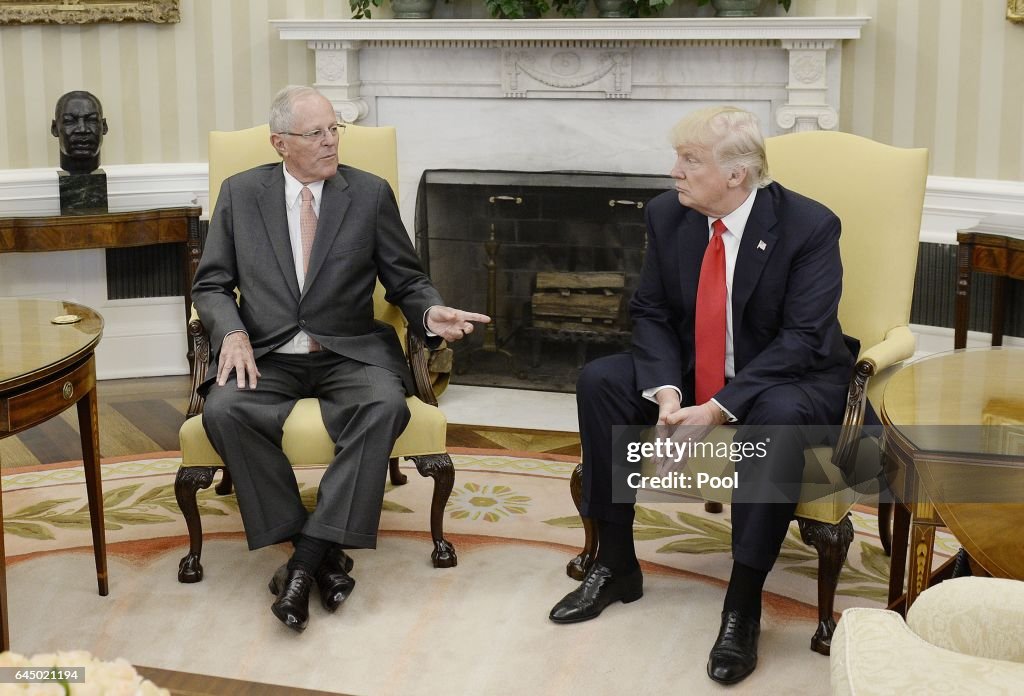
pixel 734 137
pixel 281 106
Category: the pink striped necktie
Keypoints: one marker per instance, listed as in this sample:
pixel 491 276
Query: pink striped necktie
pixel 307 229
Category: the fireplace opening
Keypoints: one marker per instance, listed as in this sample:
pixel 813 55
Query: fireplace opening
pixel 553 257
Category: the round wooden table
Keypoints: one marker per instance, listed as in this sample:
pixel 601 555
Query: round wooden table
pixel 45 368
pixel 954 435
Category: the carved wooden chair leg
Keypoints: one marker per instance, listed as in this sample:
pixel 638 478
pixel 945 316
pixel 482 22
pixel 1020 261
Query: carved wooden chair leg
pixel 832 542
pixel 885 527
pixel 712 507
pixel 224 487
pixel 187 484
pixel 579 566
pixel 397 477
pixel 442 470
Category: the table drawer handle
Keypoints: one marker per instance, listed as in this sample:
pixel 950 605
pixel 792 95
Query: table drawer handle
pixel 68 391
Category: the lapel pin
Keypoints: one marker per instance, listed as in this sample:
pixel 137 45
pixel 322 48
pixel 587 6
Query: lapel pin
pixel 761 245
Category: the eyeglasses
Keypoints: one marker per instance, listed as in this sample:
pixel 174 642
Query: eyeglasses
pixel 319 133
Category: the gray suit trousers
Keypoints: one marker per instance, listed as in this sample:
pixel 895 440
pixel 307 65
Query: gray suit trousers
pixel 364 410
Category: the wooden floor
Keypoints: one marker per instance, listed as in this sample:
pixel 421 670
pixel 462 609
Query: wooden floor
pixel 141 416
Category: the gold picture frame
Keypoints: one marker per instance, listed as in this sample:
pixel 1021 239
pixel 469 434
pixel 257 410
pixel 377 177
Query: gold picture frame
pixel 1015 10
pixel 88 11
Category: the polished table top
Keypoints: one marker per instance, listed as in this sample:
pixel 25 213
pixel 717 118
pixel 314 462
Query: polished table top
pixel 953 402
pixel 31 345
pixel 955 422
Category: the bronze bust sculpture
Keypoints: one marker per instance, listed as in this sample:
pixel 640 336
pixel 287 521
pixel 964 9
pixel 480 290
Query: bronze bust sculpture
pixel 79 127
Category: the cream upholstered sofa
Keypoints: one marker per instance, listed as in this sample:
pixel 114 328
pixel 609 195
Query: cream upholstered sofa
pixel 962 636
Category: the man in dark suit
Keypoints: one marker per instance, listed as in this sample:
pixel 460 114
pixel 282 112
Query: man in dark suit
pixel 304 242
pixel 734 320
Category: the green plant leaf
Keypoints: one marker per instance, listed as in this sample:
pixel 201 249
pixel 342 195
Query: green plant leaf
pixel 28 530
pixel 874 559
pixel 648 533
pixel 571 522
pixel 702 524
pixel 652 518
pixel 132 517
pixel 157 493
pixel 806 571
pixel 119 495
pixel 71 521
pixel 39 508
pixel 697 545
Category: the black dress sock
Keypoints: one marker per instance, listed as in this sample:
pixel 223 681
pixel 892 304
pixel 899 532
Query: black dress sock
pixel 615 547
pixel 744 593
pixel 309 553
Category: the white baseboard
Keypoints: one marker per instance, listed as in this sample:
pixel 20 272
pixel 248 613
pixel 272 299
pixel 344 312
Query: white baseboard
pixel 938 339
pixel 151 341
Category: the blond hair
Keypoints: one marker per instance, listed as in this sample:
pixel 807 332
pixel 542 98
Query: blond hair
pixel 732 134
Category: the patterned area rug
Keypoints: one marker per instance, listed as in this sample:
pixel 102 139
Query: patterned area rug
pixel 509 497
pixel 514 526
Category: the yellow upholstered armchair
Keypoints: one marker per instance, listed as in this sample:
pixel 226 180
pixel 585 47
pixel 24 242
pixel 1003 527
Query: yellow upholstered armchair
pixel 306 442
pixel 878 193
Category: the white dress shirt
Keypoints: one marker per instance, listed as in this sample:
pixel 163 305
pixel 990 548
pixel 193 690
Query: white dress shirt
pixel 293 202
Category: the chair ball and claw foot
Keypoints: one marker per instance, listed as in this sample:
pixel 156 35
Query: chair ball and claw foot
pixel 187 484
pixel 577 568
pixel 600 588
pixel 734 655
pixel 832 541
pixel 440 468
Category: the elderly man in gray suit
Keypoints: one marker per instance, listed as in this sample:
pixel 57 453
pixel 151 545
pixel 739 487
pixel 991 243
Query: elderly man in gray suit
pixel 304 241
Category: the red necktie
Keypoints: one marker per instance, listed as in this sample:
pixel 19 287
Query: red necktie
pixel 307 230
pixel 710 319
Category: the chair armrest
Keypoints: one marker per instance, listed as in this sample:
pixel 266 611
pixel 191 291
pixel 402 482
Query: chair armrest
pixel 200 339
pixel 898 345
pixel 430 368
pixel 875 652
pixel 976 616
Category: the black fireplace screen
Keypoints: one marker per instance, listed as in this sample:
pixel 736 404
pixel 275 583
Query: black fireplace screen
pixel 552 256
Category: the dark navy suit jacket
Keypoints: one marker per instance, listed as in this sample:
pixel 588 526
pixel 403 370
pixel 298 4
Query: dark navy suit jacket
pixel 785 297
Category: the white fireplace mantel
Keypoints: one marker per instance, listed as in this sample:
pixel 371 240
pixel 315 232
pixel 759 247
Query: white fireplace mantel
pixel 568 94
pixel 582 58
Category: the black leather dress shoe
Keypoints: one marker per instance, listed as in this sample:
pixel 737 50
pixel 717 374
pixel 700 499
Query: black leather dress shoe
pixel 292 603
pixel 734 655
pixel 333 579
pixel 600 587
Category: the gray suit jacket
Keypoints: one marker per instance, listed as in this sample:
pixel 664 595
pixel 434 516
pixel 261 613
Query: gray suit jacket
pixel 360 237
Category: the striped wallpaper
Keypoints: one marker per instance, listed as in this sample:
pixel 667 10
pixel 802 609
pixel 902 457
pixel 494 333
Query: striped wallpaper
pixel 943 74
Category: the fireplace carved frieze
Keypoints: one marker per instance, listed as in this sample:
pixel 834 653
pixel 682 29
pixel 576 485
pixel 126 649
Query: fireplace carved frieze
pixel 553 70
pixel 793 63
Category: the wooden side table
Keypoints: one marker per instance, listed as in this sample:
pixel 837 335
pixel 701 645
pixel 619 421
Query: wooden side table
pixel 46 367
pixel 950 436
pixel 996 246
pixel 112 231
